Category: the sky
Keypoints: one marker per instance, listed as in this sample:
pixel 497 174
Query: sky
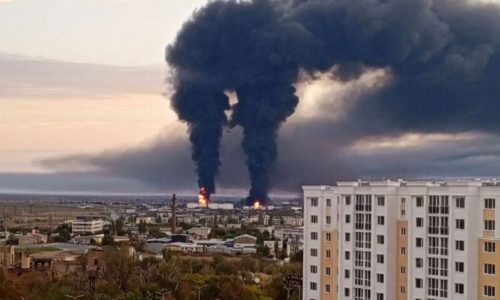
pixel 83 76
pixel 85 108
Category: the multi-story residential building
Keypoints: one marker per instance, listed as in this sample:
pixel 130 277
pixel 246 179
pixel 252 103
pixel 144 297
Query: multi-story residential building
pixel 402 240
pixel 87 225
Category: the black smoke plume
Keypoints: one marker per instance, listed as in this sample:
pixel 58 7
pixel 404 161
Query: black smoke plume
pixel 441 57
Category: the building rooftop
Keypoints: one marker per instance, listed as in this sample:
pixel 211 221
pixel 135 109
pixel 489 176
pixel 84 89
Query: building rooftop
pixel 411 183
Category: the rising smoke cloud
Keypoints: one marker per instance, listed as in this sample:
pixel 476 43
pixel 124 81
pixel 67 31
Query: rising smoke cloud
pixel 442 57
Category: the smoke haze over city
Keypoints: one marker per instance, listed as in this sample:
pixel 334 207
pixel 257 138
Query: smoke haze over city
pixel 384 89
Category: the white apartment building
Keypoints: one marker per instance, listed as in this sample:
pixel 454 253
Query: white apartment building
pixel 400 240
pixel 87 225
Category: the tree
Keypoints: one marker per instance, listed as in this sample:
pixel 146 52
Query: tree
pixel 143 228
pixel 297 256
pixel 108 240
pixel 64 233
pixel 263 250
pixel 120 267
pixel 119 225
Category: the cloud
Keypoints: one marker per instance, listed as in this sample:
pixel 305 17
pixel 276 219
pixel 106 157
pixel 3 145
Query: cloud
pixel 27 77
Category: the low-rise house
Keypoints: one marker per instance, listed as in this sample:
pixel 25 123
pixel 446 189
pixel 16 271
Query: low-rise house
pixel 283 233
pixel 244 240
pixel 185 247
pixel 154 248
pixel 233 226
pixel 121 239
pixel 293 221
pixel 95 261
pixel 145 220
pixel 7 256
pixel 230 250
pixel 56 263
pixel 200 232
pixel 88 239
pixel 35 237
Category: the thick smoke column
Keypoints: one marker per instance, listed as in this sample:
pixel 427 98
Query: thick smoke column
pixel 441 58
pixel 204 111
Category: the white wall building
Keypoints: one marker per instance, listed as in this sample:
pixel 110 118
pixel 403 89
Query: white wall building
pixel 401 240
pixel 87 225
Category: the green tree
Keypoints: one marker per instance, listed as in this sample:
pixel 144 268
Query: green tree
pixel 108 240
pixel 143 228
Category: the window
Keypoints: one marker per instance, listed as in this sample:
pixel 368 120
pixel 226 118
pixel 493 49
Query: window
pixel 489 203
pixel 313 286
pixel 314 201
pixel 348 219
pixel 489 291
pixel 347 274
pixel 380 296
pixel 347 255
pixel 459 267
pixel 347 200
pixel 314 269
pixel 403 212
pixel 328 237
pixel 420 222
pixel 380 258
pixel 420 201
pixel 380 239
pixel 419 283
pixel 489 247
pixel 328 271
pixel 314 252
pixel 459 245
pixel 347 236
pixel 403 200
pixel 314 219
pixel 380 278
pixel 459 288
pixel 403 231
pixel 419 262
pixel 328 202
pixel 489 225
pixel 403 270
pixel 327 288
pixel 419 242
pixel 403 250
pixel 314 235
pixel 328 254
pixel 380 201
pixel 489 269
pixel 380 220
pixel 328 220
pixel 402 290
pixel 460 202
pixel 347 292
pixel 460 224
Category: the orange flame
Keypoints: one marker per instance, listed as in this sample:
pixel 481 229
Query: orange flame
pixel 203 197
pixel 256 205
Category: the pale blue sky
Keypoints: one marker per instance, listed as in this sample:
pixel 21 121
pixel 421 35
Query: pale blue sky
pixel 118 32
